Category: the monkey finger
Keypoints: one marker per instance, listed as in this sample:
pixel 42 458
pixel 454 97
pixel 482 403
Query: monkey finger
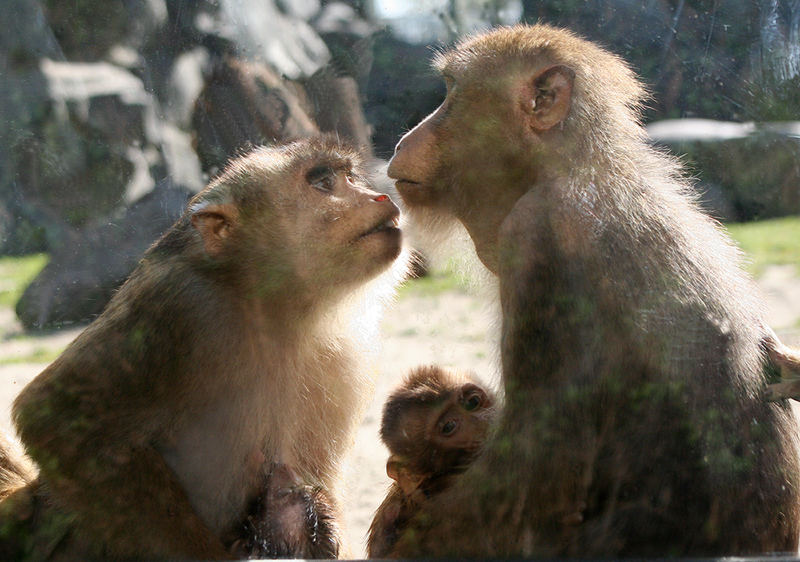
pixel 781 390
pixel 572 519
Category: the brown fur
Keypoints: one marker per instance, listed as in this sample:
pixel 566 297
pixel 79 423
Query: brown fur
pixel 16 470
pixel 423 459
pixel 289 520
pixel 631 353
pixel 234 344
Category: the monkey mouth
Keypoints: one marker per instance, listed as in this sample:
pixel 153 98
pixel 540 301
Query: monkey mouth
pixel 389 224
pixel 413 192
pixel 404 184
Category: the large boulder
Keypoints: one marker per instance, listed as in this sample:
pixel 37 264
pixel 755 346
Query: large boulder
pixel 242 104
pixel 83 141
pixel 83 273
pixel 87 29
pixel 745 171
pixel 402 89
pixel 147 87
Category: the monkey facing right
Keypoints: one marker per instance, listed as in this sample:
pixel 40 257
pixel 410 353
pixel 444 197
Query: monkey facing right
pixel 236 345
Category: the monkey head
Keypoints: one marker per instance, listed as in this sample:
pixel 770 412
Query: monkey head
pixel 433 425
pixel 522 104
pixel 302 216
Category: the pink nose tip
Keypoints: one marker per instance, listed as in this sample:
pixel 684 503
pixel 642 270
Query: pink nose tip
pixel 381 198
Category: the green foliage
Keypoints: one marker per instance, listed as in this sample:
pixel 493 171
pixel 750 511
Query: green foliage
pixel 768 242
pixel 436 282
pixel 776 101
pixel 16 273
pixel 38 355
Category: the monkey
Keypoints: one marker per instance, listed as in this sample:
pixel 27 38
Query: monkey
pixel 786 363
pixel 235 344
pixel 16 469
pixel 288 520
pixel 631 339
pixel 434 425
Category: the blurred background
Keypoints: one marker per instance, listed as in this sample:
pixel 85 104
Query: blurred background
pixel 114 112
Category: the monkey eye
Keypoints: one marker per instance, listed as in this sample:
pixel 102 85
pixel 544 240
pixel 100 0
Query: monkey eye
pixel 322 178
pixel 472 402
pixel 449 427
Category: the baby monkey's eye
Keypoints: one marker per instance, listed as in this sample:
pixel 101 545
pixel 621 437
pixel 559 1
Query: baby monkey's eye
pixel 322 178
pixel 449 427
pixel 472 402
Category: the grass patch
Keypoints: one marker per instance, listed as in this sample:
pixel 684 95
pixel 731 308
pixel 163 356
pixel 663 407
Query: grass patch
pixel 38 355
pixel 766 242
pixel 769 242
pixel 16 273
pixel 435 283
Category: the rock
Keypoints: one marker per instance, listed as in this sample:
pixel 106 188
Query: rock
pixel 84 142
pixel 87 29
pixel 83 274
pixel 335 105
pixel 245 103
pixel 746 171
pixel 22 89
pixel 183 165
pixel 184 85
pixel 300 9
pixel 263 33
pixel 30 36
pixel 401 91
pixel 349 38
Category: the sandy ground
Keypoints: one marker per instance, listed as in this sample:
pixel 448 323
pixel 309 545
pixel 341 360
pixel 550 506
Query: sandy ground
pixel 453 329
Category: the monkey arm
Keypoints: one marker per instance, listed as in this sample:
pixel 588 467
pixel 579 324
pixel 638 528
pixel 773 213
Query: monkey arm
pixel 96 456
pixel 546 301
pixel 552 342
pixel 786 362
pixel 387 524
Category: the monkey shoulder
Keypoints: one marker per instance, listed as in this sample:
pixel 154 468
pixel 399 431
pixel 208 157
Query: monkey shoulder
pixel 540 237
pixel 112 375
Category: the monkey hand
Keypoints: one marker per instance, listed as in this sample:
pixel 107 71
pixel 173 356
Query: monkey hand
pixel 786 362
pixel 575 518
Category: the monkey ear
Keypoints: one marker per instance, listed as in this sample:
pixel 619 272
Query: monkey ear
pixel 551 97
pixel 215 223
pixel 406 479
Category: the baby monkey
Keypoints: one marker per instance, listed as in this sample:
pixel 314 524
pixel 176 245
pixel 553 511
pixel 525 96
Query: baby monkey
pixel 288 520
pixel 434 425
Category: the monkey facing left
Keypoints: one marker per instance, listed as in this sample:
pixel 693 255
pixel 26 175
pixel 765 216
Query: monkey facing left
pixel 235 346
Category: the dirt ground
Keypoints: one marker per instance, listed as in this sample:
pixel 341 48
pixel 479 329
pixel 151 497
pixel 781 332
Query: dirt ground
pixel 453 329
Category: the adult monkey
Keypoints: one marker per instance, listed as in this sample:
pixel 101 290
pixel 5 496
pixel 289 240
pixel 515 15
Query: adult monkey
pixel 235 345
pixel 631 349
